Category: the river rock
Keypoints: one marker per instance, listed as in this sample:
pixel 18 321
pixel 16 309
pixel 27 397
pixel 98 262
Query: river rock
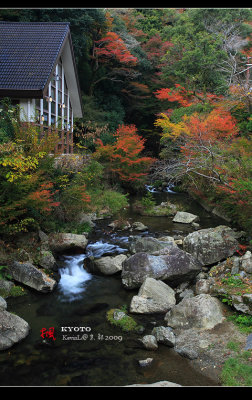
pixel 12 329
pixel 185 217
pixel 146 362
pixel 3 304
pixel 139 226
pixel 5 287
pixel 202 312
pixel 153 297
pixel 202 286
pixel 31 276
pixel 246 262
pixel 149 342
pixel 107 265
pixel 175 267
pixel 150 244
pixel 211 245
pixel 60 242
pixel 164 335
pixel 47 260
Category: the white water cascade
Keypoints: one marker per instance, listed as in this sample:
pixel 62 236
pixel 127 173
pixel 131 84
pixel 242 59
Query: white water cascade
pixel 74 277
pixel 152 189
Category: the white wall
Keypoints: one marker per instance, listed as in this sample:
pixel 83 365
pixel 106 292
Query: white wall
pixel 27 110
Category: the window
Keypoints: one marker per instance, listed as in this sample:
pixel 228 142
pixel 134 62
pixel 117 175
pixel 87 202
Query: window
pixel 55 108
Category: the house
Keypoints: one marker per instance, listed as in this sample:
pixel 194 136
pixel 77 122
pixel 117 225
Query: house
pixel 38 72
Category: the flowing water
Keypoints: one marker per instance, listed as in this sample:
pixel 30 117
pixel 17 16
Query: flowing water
pixel 87 351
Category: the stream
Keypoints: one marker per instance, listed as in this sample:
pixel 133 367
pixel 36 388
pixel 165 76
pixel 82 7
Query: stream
pixel 94 353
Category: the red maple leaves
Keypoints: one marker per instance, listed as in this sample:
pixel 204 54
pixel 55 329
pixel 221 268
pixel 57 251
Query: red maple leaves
pixel 112 47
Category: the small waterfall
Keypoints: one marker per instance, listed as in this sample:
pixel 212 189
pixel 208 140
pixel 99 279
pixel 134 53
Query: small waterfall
pixel 151 189
pixel 73 277
pixel 167 189
pixel 99 248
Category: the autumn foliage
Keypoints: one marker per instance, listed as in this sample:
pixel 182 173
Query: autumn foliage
pixel 112 47
pixel 124 156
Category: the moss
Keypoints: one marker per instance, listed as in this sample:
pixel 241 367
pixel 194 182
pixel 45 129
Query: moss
pixel 126 323
pixel 15 291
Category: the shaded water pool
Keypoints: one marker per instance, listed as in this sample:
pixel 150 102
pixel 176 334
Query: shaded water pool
pixel 95 353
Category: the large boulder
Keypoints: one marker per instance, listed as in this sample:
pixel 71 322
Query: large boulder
pixel 211 245
pixel 185 217
pixel 175 266
pixel 107 265
pixel 31 276
pixel 150 245
pixel 153 297
pixel 202 312
pixel 12 329
pixel 60 242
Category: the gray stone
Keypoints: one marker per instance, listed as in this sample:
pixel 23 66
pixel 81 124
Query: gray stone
pixel 12 329
pixel 3 304
pixel 249 343
pixel 202 312
pixel 164 335
pixel 246 262
pixel 139 226
pixel 211 245
pixel 242 303
pixel 176 266
pixel 146 362
pixel 153 297
pixel 60 242
pixel 107 265
pixel 186 293
pixel 202 286
pixel 47 260
pixel 149 342
pixel 185 217
pixel 87 218
pixel 187 352
pixel 6 285
pixel 149 244
pixel 118 315
pixel 31 276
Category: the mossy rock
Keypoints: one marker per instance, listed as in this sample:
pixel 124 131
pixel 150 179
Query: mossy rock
pixel 119 318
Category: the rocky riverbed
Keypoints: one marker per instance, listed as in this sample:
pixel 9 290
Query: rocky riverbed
pixel 179 286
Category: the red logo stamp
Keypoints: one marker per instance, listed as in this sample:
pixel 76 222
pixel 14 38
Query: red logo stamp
pixel 47 333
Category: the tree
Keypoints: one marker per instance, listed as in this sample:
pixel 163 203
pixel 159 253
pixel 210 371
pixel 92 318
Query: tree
pixel 200 138
pixel 123 158
pixel 110 51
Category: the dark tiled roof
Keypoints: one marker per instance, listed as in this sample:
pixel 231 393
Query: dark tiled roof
pixel 28 52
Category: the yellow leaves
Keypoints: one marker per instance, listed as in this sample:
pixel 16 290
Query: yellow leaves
pixel 19 165
pixel 170 129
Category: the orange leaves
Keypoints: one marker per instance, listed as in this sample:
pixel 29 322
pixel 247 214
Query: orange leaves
pixel 178 94
pixel 217 125
pixel 112 46
pixel 124 156
pixel 185 97
pixel 42 198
